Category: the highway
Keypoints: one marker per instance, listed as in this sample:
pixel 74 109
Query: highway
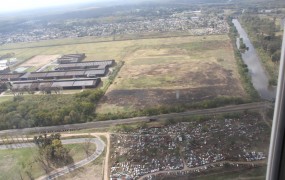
pixel 108 123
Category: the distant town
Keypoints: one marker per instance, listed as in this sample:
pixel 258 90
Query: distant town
pixel 192 22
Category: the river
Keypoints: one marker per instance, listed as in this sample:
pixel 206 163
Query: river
pixel 258 75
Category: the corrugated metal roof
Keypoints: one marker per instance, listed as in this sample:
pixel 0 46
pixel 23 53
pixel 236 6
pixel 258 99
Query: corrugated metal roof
pixel 21 85
pixel 45 84
pixel 94 64
pixel 84 83
pixel 56 74
pixel 95 71
pixel 62 84
pixel 75 73
pixel 9 76
pixel 57 83
pixel 37 75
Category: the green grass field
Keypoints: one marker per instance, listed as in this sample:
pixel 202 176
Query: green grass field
pixel 11 161
pixel 3 99
pixel 94 47
pixel 93 170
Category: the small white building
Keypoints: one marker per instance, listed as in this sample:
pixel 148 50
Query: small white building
pixel 4 62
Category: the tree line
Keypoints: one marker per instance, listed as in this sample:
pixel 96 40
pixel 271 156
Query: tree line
pixel 264 31
pixel 49 110
pixel 242 67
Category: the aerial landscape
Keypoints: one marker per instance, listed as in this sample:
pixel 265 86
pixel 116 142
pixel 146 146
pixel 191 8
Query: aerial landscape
pixel 176 89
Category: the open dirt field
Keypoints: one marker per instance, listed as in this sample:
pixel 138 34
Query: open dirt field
pixel 39 61
pixel 200 69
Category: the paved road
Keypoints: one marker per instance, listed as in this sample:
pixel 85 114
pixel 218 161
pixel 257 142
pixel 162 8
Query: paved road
pixel 108 123
pixel 107 157
pixel 100 146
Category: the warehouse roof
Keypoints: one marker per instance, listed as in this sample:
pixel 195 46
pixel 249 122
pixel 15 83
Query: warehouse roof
pixel 56 83
pixel 10 76
pixel 63 74
pixel 95 64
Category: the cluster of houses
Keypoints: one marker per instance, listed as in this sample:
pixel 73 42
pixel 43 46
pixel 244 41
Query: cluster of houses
pixel 186 145
pixel 194 23
pixel 71 73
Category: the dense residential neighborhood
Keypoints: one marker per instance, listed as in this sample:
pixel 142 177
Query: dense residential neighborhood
pixel 192 22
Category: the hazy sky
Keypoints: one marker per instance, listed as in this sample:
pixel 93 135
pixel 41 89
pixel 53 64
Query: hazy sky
pixel 15 5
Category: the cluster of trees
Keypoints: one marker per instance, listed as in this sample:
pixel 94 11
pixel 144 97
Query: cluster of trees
pixel 51 152
pixel 48 110
pixel 264 31
pixel 3 86
pixel 242 45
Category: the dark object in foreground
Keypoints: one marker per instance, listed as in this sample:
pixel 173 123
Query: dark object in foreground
pixel 152 119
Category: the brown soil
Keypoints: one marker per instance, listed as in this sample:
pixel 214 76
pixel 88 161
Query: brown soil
pixel 39 61
pixel 211 82
pixel 141 98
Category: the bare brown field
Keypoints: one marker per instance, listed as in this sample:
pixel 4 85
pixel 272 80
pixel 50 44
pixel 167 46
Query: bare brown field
pixel 39 60
pixel 93 172
pixel 200 69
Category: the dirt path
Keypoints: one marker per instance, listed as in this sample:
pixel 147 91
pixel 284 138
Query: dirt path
pixel 107 158
pixel 264 118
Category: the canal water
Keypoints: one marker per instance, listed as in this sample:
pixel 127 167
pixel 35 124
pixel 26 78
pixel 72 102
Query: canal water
pixel 258 75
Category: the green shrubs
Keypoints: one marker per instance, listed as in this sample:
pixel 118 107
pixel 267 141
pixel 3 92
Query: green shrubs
pixel 242 68
pixel 49 110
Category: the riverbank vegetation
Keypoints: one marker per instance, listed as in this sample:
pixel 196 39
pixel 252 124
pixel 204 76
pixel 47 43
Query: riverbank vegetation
pixel 268 45
pixel 242 67
pixel 242 45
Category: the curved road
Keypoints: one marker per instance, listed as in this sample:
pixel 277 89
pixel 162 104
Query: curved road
pixel 100 146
